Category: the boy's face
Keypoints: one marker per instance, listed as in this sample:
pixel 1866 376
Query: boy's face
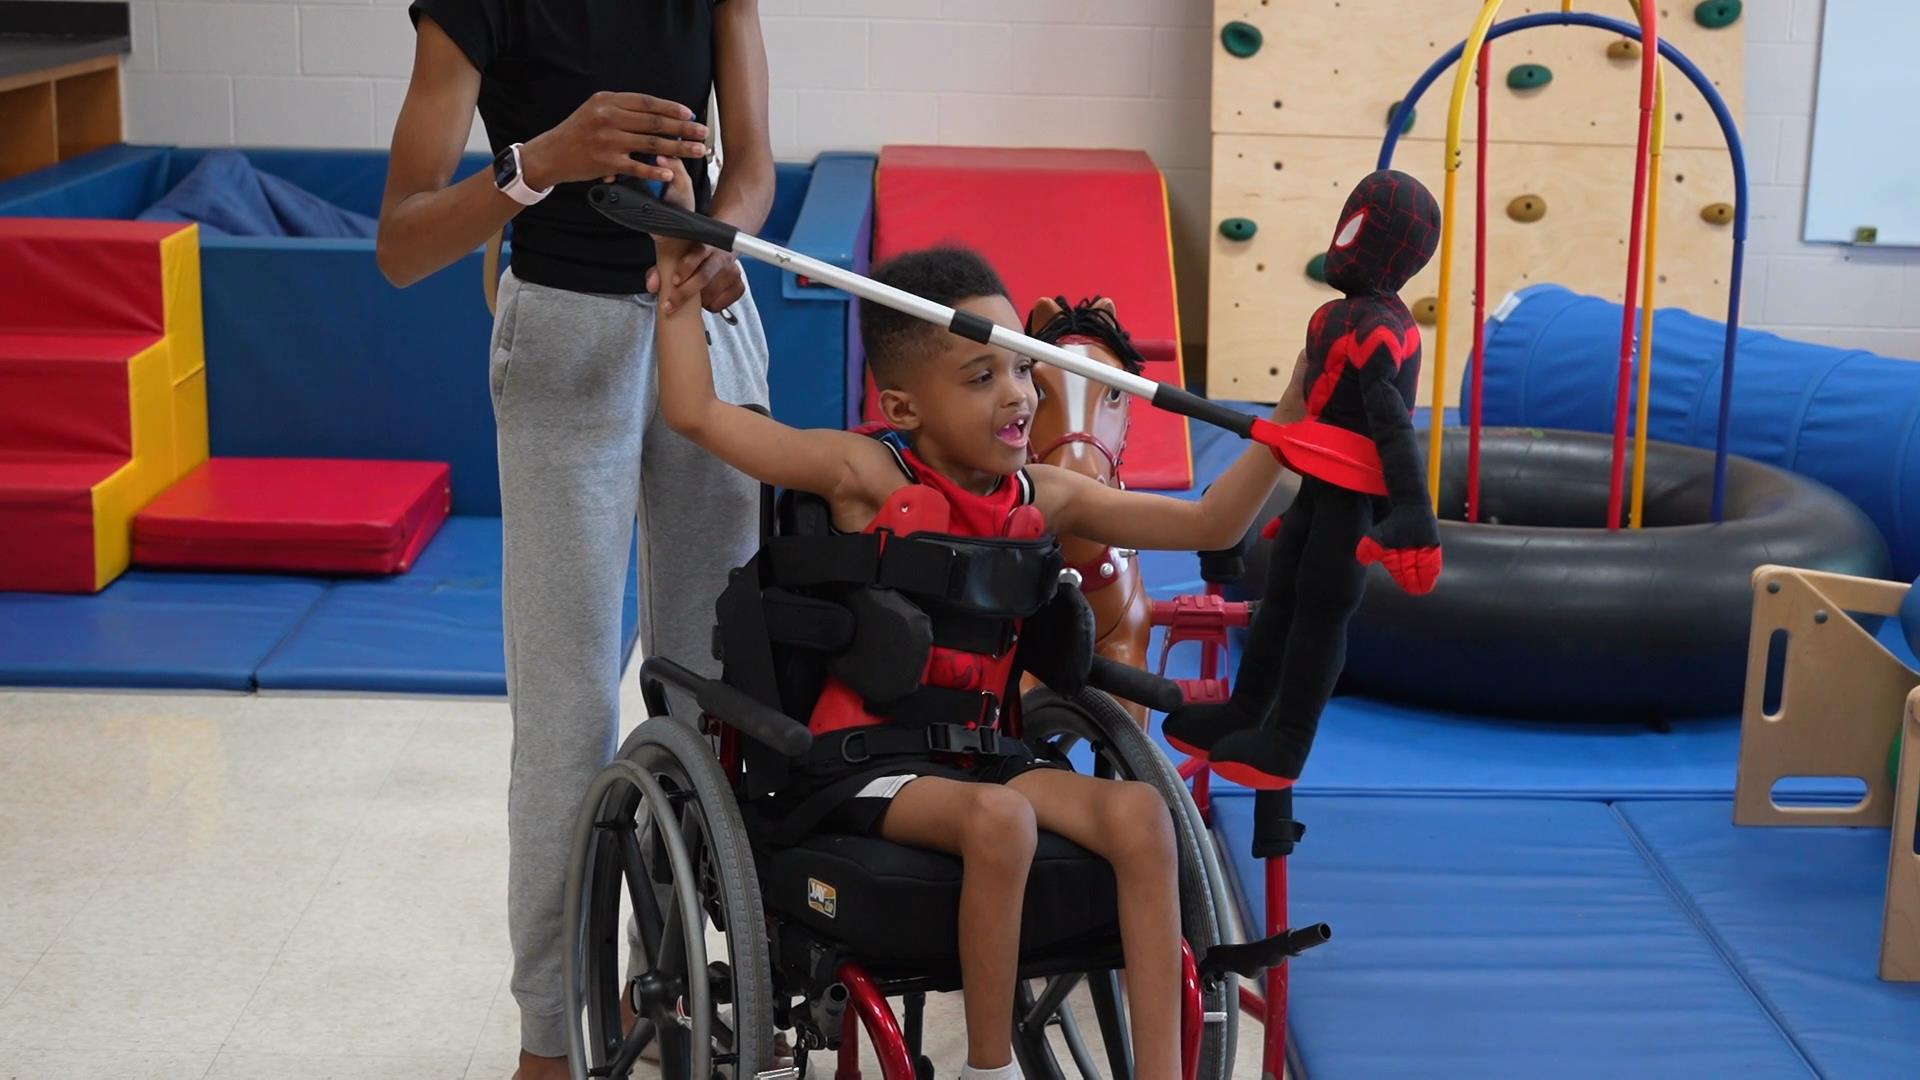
pixel 968 404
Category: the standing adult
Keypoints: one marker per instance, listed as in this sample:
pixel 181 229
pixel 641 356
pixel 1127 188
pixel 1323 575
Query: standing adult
pixel 571 92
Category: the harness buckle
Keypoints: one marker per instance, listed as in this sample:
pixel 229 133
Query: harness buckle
pixel 855 743
pixel 954 739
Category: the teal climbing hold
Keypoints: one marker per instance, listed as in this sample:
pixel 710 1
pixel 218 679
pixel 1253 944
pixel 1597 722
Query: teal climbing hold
pixel 1317 267
pixel 1406 125
pixel 1716 14
pixel 1241 39
pixel 1238 228
pixel 1529 76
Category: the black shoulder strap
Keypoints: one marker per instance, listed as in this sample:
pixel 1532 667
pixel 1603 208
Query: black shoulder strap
pixel 897 443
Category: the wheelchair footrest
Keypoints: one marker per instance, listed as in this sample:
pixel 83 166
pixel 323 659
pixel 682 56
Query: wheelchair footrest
pixel 1249 960
pixel 1204 691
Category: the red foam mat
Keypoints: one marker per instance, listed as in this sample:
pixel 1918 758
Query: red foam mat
pixel 1055 222
pixel 300 514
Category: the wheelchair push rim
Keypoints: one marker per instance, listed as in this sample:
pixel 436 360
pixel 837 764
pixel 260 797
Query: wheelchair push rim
pixel 657 804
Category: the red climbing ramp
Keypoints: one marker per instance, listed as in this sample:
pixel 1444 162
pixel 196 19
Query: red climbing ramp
pixel 1055 222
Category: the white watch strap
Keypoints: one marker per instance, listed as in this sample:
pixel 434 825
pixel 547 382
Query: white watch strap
pixel 517 189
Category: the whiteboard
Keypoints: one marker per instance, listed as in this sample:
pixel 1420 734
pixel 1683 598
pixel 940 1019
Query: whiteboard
pixel 1865 167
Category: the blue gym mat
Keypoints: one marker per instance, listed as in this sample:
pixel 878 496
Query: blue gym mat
pixel 1375 747
pixel 152 630
pixel 1798 913
pixel 1501 938
pixel 435 630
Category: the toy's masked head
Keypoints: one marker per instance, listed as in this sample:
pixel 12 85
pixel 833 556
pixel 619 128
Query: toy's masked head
pixel 1387 232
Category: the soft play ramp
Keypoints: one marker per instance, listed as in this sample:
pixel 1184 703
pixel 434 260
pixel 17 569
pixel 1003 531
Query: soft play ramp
pixel 1073 223
pixel 1504 938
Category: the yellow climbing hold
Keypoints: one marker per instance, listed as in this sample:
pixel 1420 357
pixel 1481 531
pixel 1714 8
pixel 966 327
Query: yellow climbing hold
pixel 1717 213
pixel 1527 208
pixel 1426 310
pixel 1624 49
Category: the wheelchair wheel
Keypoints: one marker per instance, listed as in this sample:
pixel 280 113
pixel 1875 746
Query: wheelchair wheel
pixel 1123 751
pixel 659 829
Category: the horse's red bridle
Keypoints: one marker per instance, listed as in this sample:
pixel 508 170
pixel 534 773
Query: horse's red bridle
pixel 1103 569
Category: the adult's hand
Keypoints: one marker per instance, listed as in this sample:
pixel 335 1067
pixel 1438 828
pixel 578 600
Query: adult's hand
pixel 714 276
pixel 599 140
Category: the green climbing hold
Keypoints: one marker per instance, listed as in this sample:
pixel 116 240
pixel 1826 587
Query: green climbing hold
pixel 1406 125
pixel 1528 76
pixel 1238 228
pixel 1715 14
pixel 1317 267
pixel 1241 39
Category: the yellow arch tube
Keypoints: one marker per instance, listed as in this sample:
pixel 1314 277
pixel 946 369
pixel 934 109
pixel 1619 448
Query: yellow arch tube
pixel 1654 148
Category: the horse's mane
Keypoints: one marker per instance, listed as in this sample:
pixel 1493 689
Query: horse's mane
pixel 1085 320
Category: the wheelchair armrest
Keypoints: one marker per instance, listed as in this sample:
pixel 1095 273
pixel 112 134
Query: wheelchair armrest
pixel 1133 684
pixel 771 727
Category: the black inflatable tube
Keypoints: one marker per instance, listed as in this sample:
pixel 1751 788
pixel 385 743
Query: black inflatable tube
pixel 1542 613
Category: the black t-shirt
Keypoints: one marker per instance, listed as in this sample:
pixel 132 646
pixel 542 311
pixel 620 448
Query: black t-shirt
pixel 538 61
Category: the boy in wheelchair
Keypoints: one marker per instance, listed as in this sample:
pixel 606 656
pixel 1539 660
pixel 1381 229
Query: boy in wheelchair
pixel 926 765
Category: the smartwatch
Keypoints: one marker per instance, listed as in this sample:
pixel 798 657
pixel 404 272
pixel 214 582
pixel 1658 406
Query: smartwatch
pixel 507 177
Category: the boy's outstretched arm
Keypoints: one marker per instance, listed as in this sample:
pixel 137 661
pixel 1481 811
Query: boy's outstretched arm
pixel 822 461
pixel 1084 507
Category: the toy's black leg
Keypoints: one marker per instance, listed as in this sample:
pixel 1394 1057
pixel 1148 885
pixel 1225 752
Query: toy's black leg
pixel 1195 729
pixel 1326 593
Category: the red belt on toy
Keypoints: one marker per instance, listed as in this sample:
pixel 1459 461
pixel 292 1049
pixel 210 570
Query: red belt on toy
pixel 1334 454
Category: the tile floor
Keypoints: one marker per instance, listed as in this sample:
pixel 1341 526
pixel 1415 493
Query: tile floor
pixel 297 888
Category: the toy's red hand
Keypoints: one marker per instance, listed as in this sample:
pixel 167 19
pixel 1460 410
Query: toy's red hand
pixel 1413 569
pixel 1407 543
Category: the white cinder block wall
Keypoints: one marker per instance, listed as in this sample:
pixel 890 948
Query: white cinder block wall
pixel 855 74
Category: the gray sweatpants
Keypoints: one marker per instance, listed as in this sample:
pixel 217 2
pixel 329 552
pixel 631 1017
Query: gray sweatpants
pixel 584 456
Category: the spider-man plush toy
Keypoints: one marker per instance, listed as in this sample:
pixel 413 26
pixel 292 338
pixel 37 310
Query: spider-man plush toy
pixel 1363 494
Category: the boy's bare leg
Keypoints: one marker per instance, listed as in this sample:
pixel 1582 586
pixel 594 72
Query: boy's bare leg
pixel 1128 824
pixel 992 830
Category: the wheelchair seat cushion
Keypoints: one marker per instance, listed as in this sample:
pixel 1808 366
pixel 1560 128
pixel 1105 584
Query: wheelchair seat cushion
pixel 889 902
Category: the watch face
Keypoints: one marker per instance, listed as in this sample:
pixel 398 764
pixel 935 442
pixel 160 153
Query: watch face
pixel 505 168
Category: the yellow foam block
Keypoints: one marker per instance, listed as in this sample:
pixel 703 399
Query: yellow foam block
pixel 167 399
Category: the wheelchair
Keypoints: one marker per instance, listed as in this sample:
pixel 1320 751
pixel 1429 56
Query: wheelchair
pixel 818 935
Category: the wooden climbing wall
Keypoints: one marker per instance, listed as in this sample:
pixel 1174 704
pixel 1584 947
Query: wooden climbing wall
pixel 1296 123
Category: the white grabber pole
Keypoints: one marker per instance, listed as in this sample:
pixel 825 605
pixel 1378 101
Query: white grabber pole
pixel 630 205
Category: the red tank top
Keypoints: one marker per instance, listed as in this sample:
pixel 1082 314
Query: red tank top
pixel 932 503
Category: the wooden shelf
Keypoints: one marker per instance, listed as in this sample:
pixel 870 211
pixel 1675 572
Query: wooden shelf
pixel 59 113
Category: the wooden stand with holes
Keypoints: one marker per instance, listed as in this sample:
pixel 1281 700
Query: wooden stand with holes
pixel 1842 699
pixel 1300 119
pixel 59 113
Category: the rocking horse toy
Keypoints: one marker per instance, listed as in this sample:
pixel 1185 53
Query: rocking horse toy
pixel 1081 426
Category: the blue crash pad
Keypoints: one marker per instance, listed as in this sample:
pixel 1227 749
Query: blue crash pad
pixel 1799 913
pixel 1501 938
pixel 152 630
pixel 435 630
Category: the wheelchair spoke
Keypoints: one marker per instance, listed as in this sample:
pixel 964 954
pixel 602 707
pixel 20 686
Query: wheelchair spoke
pixel 1051 999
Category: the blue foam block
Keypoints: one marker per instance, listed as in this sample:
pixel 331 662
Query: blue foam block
pixel 1501 938
pixel 152 630
pixel 436 630
pixel 1799 912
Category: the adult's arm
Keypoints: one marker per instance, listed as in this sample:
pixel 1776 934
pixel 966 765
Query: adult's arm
pixel 426 225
